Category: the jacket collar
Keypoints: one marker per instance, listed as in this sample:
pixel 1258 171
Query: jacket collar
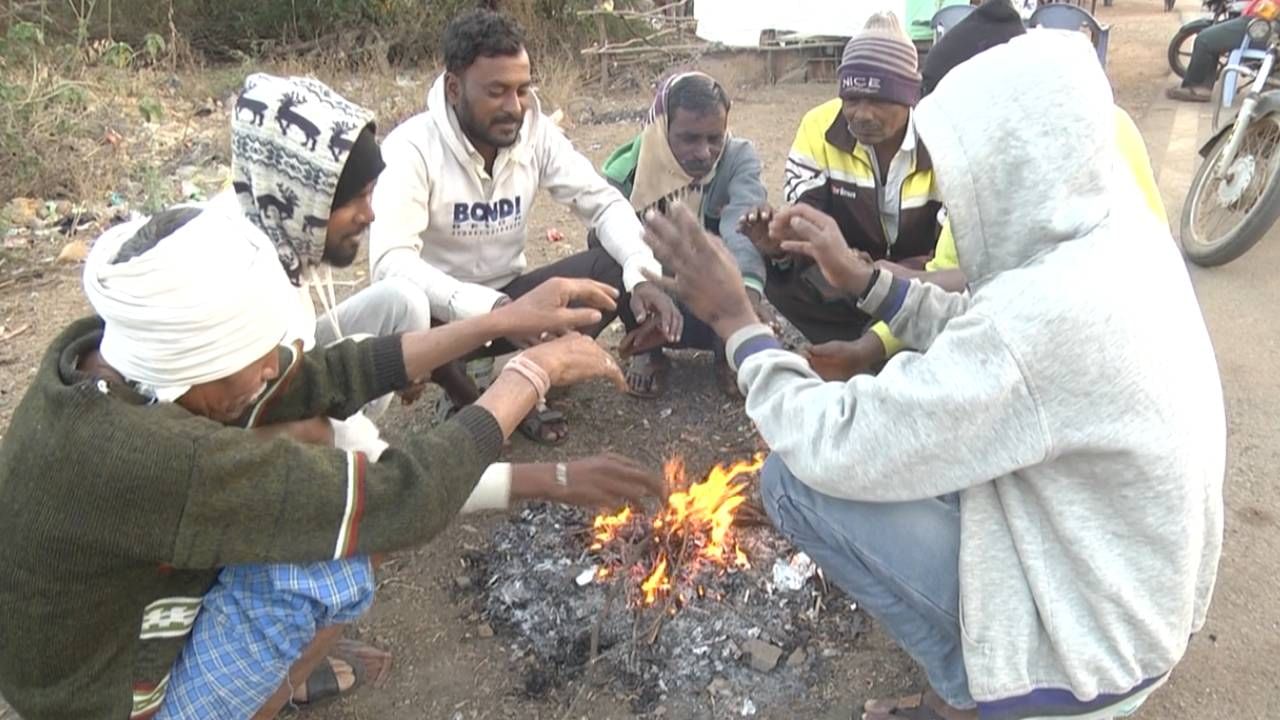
pixel 838 136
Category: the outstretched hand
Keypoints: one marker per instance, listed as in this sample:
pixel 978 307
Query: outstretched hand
pixel 544 312
pixel 703 273
pixel 755 225
pixel 809 232
pixel 574 358
pixel 609 481
pixel 650 304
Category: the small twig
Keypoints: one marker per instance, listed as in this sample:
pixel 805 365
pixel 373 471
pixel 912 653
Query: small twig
pixel 611 593
pixel 638 15
pixel 401 583
pixel 9 336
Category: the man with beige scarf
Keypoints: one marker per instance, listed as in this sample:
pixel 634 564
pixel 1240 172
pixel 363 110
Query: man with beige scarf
pixel 685 153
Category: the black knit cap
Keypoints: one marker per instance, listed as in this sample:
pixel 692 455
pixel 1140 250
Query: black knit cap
pixel 364 164
pixel 994 22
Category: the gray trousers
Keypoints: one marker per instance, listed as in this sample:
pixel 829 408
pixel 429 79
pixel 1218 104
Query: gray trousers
pixel 385 308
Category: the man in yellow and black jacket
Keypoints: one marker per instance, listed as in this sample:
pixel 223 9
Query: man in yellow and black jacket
pixel 993 23
pixel 857 158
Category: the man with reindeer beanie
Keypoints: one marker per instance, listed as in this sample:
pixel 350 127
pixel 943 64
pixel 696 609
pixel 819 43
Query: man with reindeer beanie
pixel 856 158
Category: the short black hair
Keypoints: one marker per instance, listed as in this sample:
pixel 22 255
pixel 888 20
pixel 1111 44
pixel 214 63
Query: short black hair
pixel 697 94
pixel 480 33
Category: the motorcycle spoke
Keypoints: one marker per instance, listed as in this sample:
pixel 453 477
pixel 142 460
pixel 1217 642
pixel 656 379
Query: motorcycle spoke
pixel 1213 220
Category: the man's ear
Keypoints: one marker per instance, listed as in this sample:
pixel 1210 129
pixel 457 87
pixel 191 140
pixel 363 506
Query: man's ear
pixel 452 88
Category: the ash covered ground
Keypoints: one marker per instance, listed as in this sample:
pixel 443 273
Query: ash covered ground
pixel 757 637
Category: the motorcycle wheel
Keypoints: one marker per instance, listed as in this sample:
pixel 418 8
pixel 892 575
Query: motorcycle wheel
pixel 1181 44
pixel 1224 217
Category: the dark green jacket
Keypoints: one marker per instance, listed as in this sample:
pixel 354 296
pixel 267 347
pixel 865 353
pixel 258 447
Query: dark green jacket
pixel 117 512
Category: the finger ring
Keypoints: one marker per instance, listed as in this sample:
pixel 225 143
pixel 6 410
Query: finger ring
pixel 562 474
pixel 544 335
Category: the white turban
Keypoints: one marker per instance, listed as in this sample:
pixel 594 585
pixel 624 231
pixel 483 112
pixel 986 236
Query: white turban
pixel 203 303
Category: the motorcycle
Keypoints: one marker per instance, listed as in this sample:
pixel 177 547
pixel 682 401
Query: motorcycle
pixel 1179 52
pixel 1234 198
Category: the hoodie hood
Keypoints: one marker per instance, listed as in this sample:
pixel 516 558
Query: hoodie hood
pixel 442 114
pixel 290 138
pixel 1022 139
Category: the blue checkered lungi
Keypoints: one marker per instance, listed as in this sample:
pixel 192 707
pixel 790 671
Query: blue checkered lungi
pixel 253 624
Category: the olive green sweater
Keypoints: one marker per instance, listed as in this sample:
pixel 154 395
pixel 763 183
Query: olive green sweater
pixel 117 513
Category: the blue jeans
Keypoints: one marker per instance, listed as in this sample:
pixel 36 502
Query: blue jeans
pixel 899 561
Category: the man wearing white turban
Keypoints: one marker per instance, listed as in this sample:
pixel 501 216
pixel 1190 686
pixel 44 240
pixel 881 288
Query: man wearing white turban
pixel 147 456
pixel 311 203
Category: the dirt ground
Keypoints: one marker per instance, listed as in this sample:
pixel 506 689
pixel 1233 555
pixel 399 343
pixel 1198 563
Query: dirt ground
pixel 445 669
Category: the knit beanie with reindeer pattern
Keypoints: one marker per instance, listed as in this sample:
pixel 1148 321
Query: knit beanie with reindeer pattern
pixel 291 138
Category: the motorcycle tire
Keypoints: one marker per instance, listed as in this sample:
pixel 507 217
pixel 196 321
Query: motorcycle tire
pixel 1186 34
pixel 1264 133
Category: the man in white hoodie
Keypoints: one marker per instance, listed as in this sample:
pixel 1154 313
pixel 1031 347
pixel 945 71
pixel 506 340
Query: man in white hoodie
pixel 1032 504
pixel 453 205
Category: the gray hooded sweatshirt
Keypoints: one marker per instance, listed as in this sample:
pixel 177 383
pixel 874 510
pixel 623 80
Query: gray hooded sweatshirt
pixel 1072 397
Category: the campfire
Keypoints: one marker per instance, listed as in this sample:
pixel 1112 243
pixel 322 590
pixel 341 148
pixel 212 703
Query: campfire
pixel 663 558
pixel 696 601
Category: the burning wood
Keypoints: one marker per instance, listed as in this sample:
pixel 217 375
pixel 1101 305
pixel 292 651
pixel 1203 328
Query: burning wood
pixel 662 558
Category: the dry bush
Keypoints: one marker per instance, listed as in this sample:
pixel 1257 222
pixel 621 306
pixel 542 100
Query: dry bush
pixel 559 79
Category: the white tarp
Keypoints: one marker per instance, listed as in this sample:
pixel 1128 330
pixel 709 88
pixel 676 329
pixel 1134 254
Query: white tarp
pixel 738 23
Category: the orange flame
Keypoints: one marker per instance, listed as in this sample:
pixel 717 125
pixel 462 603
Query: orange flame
pixel 606 527
pixel 656 582
pixel 701 514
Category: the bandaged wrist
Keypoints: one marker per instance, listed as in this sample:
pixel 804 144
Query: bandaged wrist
pixel 531 371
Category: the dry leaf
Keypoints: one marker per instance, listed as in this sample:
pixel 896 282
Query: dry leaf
pixel 73 252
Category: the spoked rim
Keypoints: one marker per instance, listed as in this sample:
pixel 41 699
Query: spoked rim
pixel 1222 204
pixel 1184 51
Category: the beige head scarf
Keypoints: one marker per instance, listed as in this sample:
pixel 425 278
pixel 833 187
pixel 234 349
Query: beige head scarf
pixel 659 179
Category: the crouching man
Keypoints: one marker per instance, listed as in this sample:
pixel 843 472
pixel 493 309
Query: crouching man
pixel 155 447
pixel 686 153
pixel 1031 506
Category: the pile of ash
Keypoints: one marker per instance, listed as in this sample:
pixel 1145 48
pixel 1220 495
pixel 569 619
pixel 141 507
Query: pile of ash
pixel 754 637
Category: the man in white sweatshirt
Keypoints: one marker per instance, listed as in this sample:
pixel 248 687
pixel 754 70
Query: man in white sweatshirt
pixel 453 205
pixel 1032 504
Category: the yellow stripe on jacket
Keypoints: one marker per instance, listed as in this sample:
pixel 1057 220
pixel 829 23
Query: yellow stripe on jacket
pixel 1132 148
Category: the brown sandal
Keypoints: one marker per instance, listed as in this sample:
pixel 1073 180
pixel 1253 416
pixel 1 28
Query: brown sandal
pixel 920 706
pixel 1187 94
pixel 373 662
pixel 646 375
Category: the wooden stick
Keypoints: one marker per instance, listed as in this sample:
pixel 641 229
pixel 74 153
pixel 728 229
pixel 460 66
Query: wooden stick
pixel 15 333
pixel 668 49
pixel 604 61
pixel 644 39
pixel 637 15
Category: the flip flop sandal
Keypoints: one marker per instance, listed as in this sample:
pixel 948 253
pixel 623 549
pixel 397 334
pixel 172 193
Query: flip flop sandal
pixel 656 372
pixel 534 424
pixel 909 707
pixel 322 684
pixel 375 663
